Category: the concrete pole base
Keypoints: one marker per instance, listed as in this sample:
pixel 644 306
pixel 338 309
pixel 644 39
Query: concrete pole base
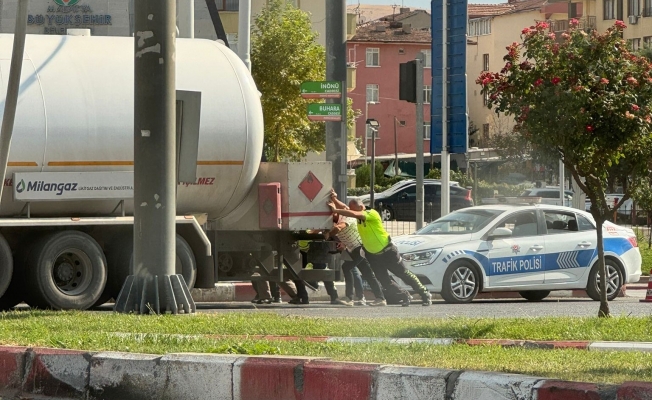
pixel 155 295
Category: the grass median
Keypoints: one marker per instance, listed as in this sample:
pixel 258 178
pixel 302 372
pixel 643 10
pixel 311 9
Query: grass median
pixel 227 333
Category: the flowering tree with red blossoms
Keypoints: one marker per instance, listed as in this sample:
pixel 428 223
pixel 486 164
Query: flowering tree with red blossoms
pixel 585 98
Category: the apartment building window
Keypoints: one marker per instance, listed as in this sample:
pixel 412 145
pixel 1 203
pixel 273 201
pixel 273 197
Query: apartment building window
pixel 634 44
pixel 479 27
pixel 426 130
pixel 633 7
pixel 427 58
pixel 647 8
pixel 485 62
pixel 609 9
pixel 485 98
pixel 647 42
pixel 485 131
pixel 373 57
pixel 227 5
pixel 427 94
pixel 372 93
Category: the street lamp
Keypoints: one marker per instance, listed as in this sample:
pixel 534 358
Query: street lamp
pixel 374 125
pixel 366 116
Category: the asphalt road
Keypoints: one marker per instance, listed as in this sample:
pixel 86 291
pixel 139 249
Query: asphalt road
pixel 552 307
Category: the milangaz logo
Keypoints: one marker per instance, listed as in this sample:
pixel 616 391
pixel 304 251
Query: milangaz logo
pixel 42 186
pixel 66 2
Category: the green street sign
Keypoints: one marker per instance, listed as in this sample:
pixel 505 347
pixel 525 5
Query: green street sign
pixel 321 90
pixel 324 112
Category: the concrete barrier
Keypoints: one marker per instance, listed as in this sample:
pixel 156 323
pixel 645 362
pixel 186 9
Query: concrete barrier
pixel 109 375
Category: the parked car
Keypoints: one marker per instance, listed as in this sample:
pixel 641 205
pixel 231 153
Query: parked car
pixel 550 195
pixel 529 249
pixel 399 201
pixel 613 199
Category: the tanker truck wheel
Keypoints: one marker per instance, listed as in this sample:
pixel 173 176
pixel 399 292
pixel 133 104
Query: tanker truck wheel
pixel 186 262
pixel 66 271
pixel 6 265
pixel 120 261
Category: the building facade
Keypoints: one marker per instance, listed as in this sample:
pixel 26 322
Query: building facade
pixel 376 50
pixel 115 17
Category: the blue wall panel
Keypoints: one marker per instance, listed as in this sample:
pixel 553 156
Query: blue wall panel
pixel 456 100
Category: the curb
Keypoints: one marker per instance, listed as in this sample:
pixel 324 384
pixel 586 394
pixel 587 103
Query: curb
pixel 242 291
pixel 110 375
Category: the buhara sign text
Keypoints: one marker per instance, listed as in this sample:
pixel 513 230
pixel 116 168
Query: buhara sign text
pixel 58 18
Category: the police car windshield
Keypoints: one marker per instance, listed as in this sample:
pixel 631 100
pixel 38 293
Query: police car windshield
pixel 460 222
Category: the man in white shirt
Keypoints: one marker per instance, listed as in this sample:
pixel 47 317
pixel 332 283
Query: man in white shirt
pixel 346 231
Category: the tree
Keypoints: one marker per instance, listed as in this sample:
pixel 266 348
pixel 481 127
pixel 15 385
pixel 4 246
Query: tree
pixel 585 99
pixel 284 54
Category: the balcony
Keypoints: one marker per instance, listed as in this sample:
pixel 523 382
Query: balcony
pixel 561 25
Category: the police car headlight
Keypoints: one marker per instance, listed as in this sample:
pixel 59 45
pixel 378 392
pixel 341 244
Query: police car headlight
pixel 422 258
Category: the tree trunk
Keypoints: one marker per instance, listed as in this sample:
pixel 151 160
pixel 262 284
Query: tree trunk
pixel 604 304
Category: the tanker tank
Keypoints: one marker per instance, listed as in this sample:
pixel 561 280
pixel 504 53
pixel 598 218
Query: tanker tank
pixel 75 113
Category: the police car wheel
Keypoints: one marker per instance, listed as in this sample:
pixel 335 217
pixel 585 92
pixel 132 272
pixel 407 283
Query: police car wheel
pixel 534 295
pixel 461 283
pixel 614 281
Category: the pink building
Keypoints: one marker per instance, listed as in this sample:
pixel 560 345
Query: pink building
pixel 376 50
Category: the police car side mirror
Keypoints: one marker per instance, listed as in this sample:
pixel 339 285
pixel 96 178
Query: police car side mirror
pixel 500 233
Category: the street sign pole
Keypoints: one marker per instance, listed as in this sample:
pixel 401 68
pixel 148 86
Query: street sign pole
pixel 336 71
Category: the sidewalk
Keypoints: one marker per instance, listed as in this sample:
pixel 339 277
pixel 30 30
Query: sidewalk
pixel 111 375
pixel 242 291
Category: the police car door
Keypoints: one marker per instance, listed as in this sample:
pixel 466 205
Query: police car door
pixel 570 246
pixel 517 260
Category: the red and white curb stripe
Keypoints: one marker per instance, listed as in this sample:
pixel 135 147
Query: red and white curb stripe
pixel 109 375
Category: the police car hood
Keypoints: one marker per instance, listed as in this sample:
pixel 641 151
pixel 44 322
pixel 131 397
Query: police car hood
pixel 412 243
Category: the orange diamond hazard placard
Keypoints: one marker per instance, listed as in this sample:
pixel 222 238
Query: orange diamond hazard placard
pixel 310 186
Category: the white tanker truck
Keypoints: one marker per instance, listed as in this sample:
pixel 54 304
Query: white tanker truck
pixel 66 225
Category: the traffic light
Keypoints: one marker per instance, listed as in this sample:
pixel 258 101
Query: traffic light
pixel 408 81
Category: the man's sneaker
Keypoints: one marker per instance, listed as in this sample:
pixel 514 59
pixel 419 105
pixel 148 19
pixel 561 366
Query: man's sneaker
pixel 298 300
pixel 344 301
pixel 426 299
pixel 255 299
pixel 407 299
pixel 264 301
pixel 360 302
pixel 378 303
pixel 277 300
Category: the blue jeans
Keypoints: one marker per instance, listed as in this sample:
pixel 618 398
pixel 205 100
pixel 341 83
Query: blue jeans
pixel 362 265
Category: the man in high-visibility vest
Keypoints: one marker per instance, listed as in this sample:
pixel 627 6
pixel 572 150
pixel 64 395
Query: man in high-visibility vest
pixel 379 250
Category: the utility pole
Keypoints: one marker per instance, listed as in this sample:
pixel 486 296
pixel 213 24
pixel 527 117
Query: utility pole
pixel 153 286
pixel 419 138
pixel 336 136
pixel 13 87
pixel 9 115
pixel 445 155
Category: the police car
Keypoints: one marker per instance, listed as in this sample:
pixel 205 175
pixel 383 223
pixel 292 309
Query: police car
pixel 530 249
